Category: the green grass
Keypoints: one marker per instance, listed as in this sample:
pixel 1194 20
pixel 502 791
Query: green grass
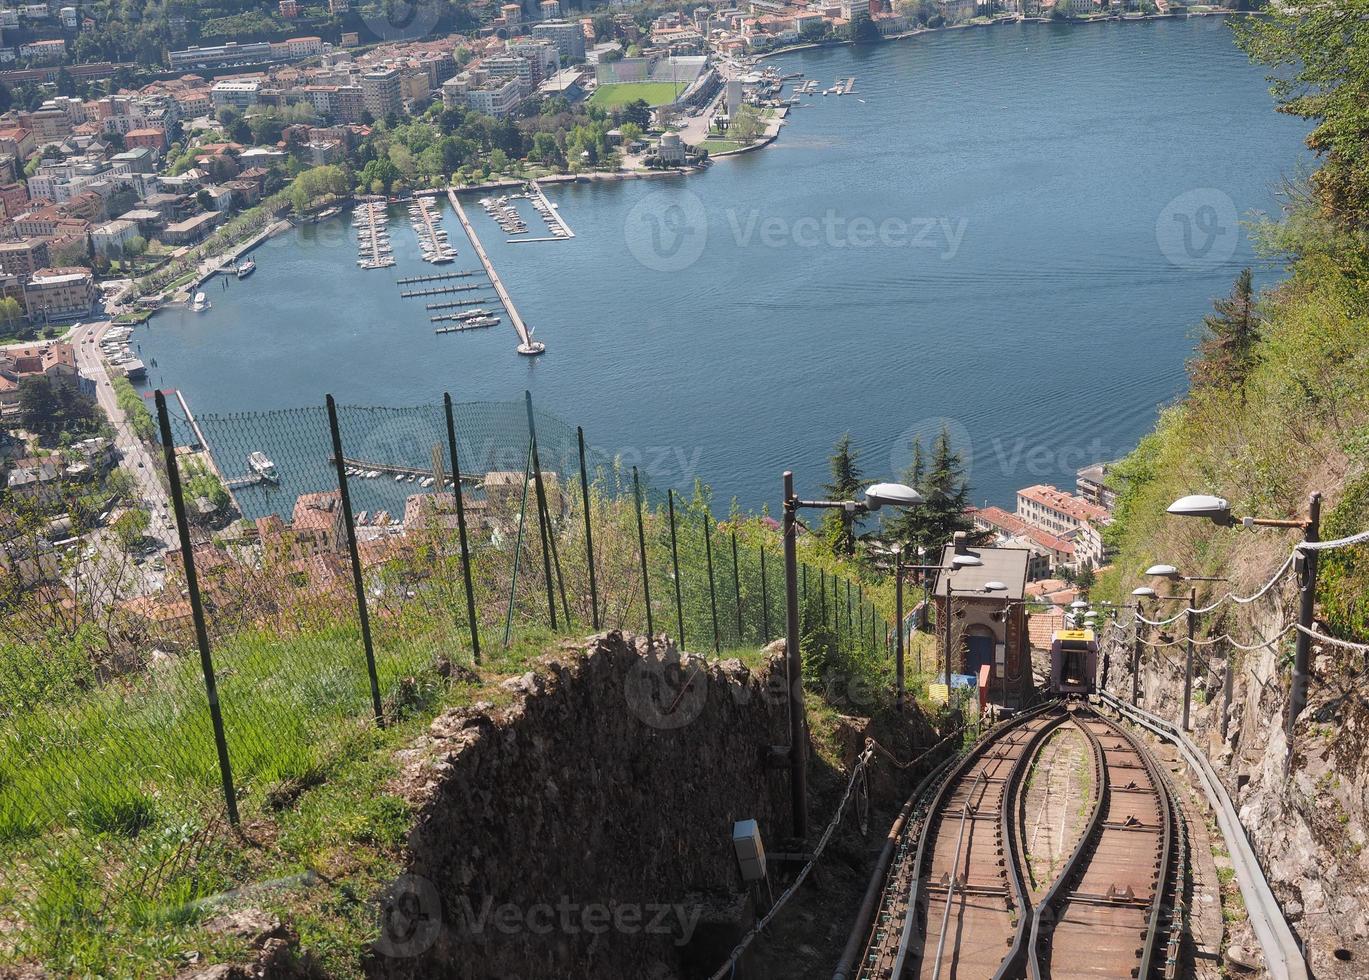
pixel 716 146
pixel 655 94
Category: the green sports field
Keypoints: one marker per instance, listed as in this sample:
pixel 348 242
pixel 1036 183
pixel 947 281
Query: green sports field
pixel 615 96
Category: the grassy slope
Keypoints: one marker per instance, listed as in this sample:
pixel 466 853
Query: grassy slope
pixel 1300 424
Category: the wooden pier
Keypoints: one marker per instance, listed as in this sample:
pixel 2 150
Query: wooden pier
pixel 436 277
pixel 203 444
pixel 454 304
pixel 525 342
pixel 389 469
pixel 439 291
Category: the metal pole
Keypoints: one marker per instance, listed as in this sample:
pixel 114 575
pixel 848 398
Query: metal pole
pixel 737 586
pixel 1226 691
pixel 822 595
pixel 950 622
pixel 549 529
pixel 675 563
pixel 192 584
pixel 765 602
pixel 1136 656
pixel 1297 695
pixel 898 614
pixel 518 547
pixel 798 738
pixel 805 596
pixel 1188 655
pixel 712 592
pixel 461 527
pixel 849 641
pixel 589 534
pixel 357 585
pixel 641 548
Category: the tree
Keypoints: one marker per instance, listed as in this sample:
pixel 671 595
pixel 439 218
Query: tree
pixel 637 111
pixel 813 30
pixel 1226 352
pixel 745 124
pixel 135 246
pixel 846 483
pixel 52 406
pixel 10 313
pixel 130 527
pixel 862 29
pixel 906 526
pixel 946 491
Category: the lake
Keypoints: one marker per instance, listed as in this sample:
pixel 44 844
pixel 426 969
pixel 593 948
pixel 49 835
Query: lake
pixel 1012 231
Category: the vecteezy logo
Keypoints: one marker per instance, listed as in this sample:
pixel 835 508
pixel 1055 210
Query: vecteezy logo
pixel 410 917
pixel 1199 229
pixel 401 20
pixel 665 690
pixel 666 231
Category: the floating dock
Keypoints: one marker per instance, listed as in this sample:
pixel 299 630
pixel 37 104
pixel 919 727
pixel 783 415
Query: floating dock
pixel 455 303
pixel 526 345
pixel 439 290
pixel 548 210
pixel 389 469
pixel 436 277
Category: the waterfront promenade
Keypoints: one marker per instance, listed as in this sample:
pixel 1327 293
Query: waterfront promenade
pixel 526 345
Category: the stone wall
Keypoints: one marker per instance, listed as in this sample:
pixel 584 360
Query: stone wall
pixel 584 829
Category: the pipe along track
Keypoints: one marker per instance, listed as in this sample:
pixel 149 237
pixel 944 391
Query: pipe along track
pixel 955 904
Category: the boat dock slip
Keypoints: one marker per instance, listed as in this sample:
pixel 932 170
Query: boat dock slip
pixel 436 277
pixel 389 469
pixel 551 214
pixel 440 290
pixel 528 241
pixel 526 345
pixel 453 304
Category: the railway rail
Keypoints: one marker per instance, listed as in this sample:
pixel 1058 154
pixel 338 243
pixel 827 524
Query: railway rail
pixel 955 904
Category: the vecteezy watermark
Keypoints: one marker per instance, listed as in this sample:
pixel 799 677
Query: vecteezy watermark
pixel 835 230
pixel 667 230
pixel 402 20
pixel 666 690
pixel 1199 229
pixel 410 917
pixel 567 917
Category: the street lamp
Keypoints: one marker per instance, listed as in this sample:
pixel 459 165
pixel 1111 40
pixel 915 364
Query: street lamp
pixel 1173 574
pixel 1218 511
pixel 876 496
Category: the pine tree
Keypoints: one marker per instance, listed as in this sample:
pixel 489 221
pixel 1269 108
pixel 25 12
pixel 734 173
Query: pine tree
pixel 1226 352
pixel 847 482
pixel 947 492
pixel 905 524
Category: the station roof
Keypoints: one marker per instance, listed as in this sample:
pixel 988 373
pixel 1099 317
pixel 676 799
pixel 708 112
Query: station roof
pixel 1006 565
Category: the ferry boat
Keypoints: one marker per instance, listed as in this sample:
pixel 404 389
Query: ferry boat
pixel 247 268
pixel 262 466
pixel 200 303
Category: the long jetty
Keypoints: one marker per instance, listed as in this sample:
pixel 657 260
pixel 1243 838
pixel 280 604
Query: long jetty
pixel 525 344
pixel 203 443
pixel 389 469
pixel 440 290
pixel 436 277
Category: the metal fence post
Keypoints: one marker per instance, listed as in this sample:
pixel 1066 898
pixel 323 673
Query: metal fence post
pixel 192 584
pixel 589 532
pixel 765 603
pixel 551 561
pixel 712 592
pixel 461 527
pixel 737 584
pixel 850 642
pixel 358 586
pixel 675 565
pixel 641 547
pixel 822 595
pixel 518 547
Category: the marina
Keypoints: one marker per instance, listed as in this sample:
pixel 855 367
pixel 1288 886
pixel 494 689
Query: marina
pixel 505 215
pixel 550 214
pixel 432 240
pixel 526 346
pixel 371 470
pixel 372 219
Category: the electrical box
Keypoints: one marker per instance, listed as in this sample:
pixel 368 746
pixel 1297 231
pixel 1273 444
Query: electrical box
pixel 746 843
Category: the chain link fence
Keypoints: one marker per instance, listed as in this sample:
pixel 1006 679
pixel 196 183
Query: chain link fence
pixel 183 648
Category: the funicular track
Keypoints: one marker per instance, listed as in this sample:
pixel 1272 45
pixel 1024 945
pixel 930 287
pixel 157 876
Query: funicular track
pixel 955 904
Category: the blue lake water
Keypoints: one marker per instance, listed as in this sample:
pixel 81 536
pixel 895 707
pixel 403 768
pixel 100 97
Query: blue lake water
pixel 1016 230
